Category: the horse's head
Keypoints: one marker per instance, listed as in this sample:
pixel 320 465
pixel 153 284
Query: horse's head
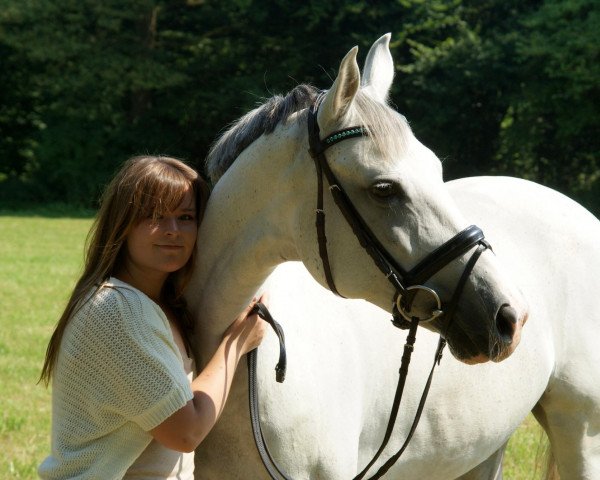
pixel 395 185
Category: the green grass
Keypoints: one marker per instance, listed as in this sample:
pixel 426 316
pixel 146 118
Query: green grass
pixel 40 258
pixel 41 253
pixel 525 455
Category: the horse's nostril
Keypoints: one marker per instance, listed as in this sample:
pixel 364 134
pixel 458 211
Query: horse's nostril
pixel 506 323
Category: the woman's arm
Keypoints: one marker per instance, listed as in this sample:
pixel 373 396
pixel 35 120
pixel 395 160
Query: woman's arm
pixel 186 428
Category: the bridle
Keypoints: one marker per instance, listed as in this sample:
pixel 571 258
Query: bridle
pixel 406 283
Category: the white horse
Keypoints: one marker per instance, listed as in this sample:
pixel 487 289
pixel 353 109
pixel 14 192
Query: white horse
pixel 328 418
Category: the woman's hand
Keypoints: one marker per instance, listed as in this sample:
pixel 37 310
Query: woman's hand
pixel 247 331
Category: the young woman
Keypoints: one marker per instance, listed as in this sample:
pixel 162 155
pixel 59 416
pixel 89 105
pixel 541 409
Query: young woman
pixel 124 404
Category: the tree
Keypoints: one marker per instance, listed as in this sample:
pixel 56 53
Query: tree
pixel 458 82
pixel 550 131
pixel 89 67
pixel 492 86
pixel 511 89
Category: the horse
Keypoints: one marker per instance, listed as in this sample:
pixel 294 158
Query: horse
pixel 522 337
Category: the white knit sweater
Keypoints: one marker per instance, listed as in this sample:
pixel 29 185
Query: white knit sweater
pixel 118 375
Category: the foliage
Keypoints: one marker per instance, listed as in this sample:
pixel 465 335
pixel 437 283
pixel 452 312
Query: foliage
pixel 460 82
pixel 513 88
pixel 493 86
pixel 550 131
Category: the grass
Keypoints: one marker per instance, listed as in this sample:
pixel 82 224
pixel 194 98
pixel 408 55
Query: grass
pixel 40 257
pixel 41 251
pixel 525 454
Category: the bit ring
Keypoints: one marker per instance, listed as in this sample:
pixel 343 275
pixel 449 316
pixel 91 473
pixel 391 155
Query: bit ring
pixel 436 312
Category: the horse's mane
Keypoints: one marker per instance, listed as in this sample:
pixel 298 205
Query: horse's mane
pixel 387 128
pixel 261 120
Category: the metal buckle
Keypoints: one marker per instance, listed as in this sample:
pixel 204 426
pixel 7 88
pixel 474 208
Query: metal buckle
pixel 436 309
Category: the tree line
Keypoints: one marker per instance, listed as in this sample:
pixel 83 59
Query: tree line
pixel 492 86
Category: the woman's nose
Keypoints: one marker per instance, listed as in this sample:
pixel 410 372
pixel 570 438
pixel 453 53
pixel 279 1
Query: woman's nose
pixel 171 225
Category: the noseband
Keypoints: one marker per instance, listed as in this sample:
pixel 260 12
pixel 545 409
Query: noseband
pixel 407 285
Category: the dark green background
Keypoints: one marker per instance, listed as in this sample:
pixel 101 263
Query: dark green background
pixel 492 86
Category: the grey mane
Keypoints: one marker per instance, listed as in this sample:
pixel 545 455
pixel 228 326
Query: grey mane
pixel 389 131
pixel 248 128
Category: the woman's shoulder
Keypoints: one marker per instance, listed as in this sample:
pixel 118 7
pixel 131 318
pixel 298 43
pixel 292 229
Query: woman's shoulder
pixel 116 299
pixel 113 293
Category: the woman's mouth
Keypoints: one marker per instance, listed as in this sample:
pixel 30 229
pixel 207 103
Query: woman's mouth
pixel 170 247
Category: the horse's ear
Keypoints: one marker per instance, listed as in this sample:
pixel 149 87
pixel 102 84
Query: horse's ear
pixel 379 69
pixel 342 92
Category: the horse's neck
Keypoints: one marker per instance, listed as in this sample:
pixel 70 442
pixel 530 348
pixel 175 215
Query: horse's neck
pixel 245 233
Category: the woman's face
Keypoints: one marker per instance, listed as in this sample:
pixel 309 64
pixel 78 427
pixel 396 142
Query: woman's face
pixel 165 244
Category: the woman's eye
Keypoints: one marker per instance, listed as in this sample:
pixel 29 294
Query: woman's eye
pixel 154 218
pixel 383 190
pixel 187 218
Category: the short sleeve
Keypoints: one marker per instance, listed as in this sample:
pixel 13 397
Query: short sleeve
pixel 123 349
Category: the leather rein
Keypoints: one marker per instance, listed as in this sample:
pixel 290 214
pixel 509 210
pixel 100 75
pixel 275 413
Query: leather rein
pixel 406 284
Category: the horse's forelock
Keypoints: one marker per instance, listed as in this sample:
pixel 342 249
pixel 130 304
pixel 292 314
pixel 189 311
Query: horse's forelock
pixel 261 120
pixel 388 130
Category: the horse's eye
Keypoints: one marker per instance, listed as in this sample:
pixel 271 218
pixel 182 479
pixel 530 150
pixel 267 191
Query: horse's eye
pixel 383 190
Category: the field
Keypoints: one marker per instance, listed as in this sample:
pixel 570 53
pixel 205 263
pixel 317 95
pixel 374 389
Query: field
pixel 41 255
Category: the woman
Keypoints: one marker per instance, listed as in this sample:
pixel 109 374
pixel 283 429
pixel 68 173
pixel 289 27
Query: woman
pixel 123 399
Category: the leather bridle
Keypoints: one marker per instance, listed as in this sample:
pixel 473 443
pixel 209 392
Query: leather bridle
pixel 406 283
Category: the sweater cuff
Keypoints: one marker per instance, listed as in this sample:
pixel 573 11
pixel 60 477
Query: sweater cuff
pixel 169 404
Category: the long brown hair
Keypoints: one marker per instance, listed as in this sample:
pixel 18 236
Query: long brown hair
pixel 144 186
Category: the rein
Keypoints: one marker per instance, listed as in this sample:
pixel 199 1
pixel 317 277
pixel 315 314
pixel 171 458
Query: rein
pixel 407 284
